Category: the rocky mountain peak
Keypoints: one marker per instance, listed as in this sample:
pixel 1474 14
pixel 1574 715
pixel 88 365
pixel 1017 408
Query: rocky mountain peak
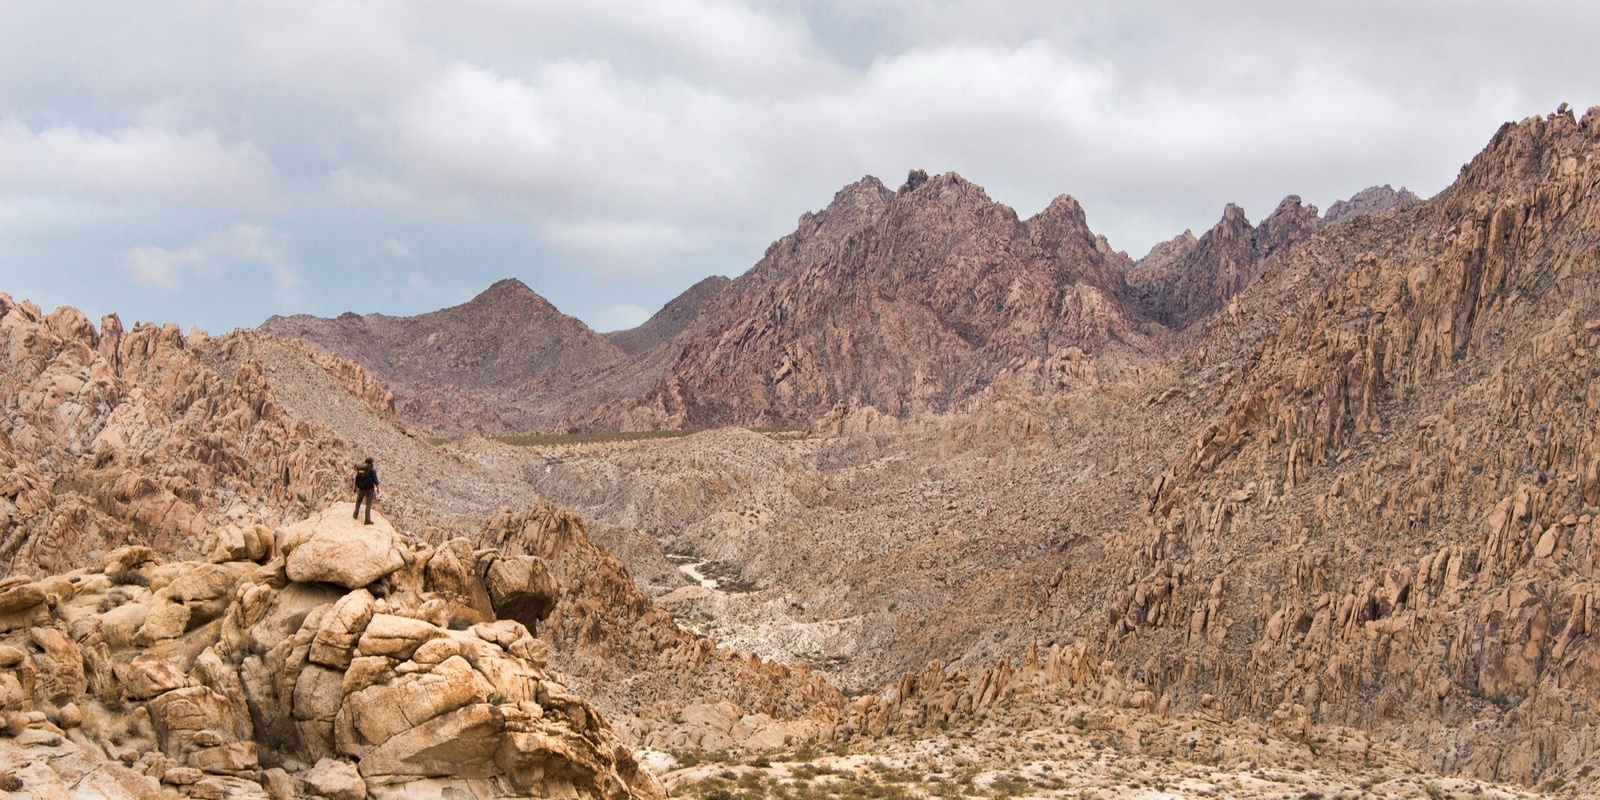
pixel 855 204
pixel 1069 211
pixel 1525 153
pixel 1368 201
pixel 1290 223
pixel 1184 281
pixel 494 358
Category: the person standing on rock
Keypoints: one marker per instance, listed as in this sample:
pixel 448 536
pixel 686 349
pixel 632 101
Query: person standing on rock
pixel 366 488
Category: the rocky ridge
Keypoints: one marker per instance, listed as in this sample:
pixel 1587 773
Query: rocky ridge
pixel 1187 280
pixel 845 311
pixel 120 436
pixel 907 301
pixel 1369 201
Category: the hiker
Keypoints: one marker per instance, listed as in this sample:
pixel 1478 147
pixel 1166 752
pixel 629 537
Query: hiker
pixel 366 488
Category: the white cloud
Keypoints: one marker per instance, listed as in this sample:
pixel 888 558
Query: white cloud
pixel 395 248
pixel 622 247
pixel 213 257
pixel 636 138
pixel 619 318
pixel 133 165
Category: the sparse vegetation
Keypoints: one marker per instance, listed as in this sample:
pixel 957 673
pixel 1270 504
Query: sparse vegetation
pixel 129 577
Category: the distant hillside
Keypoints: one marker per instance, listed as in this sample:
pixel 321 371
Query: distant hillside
pixel 916 300
pixel 504 360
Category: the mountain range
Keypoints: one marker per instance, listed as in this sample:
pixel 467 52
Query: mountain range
pixel 910 300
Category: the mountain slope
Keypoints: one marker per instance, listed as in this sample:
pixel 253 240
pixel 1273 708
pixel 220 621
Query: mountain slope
pixel 908 301
pixel 501 361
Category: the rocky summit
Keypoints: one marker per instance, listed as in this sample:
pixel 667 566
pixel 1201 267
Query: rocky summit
pixel 982 507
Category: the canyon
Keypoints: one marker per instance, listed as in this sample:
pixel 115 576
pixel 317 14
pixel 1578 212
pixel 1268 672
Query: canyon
pixel 1301 508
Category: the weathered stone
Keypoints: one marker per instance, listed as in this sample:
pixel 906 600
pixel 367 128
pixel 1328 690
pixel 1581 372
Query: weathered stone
pixel 395 636
pixel 336 780
pixel 460 744
pixel 182 776
pixel 21 598
pixel 60 664
pixel 341 628
pixel 521 588
pixel 453 570
pixel 147 676
pixel 125 560
pixel 229 758
pixel 165 620
pixel 190 719
pixel 330 548
pixel 374 714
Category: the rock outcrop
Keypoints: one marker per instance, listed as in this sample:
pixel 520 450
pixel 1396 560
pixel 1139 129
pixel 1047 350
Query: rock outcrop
pixel 246 677
pixel 118 437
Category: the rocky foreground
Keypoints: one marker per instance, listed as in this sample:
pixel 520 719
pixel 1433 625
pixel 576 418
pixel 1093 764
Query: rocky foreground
pixel 331 659
pixel 325 659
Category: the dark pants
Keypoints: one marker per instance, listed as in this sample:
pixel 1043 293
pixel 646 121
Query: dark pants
pixel 367 495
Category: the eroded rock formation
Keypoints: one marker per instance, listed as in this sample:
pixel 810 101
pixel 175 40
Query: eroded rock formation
pixel 330 659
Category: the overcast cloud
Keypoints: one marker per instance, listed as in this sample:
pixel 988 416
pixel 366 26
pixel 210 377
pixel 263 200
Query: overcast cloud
pixel 215 163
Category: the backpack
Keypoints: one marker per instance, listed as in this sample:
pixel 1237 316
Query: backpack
pixel 364 477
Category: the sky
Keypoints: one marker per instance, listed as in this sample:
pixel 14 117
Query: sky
pixel 215 163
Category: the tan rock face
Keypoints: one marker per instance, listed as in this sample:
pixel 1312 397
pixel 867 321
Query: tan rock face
pixel 296 673
pixel 335 547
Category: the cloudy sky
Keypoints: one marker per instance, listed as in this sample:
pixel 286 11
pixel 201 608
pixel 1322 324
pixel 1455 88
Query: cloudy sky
pixel 213 163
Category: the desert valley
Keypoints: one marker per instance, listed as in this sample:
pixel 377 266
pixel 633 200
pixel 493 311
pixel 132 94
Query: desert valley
pixel 932 501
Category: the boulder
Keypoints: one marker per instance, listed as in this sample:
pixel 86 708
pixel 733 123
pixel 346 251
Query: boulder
pixel 341 628
pixel 190 719
pixel 148 676
pixel 225 759
pixel 452 571
pixel 395 636
pixel 521 588
pixel 20 595
pixel 124 560
pixel 60 664
pixel 371 716
pixel 335 780
pixel 459 744
pixel 333 548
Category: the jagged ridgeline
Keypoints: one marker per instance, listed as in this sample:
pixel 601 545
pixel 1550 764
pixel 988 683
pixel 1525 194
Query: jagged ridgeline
pixel 908 301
